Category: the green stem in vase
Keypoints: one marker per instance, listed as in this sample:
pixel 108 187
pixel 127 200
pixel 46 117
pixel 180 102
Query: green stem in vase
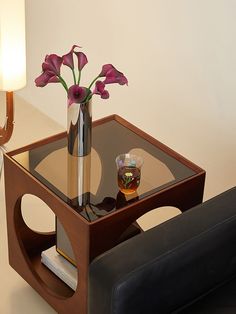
pixel 63 83
pixel 93 81
pixel 79 77
pixel 73 71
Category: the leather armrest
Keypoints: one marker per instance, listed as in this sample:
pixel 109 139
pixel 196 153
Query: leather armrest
pixel 169 266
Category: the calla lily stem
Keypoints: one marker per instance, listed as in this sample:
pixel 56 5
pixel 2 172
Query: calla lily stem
pixel 73 71
pixel 63 83
pixel 96 78
pixel 79 77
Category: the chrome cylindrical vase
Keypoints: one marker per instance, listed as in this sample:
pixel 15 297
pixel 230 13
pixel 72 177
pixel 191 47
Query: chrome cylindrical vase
pixel 78 180
pixel 79 128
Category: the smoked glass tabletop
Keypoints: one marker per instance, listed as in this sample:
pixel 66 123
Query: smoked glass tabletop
pixel 89 184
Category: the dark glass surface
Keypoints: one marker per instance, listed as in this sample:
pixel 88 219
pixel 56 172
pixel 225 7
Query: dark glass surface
pixel 89 184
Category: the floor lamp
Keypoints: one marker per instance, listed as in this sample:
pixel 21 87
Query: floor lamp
pixel 12 58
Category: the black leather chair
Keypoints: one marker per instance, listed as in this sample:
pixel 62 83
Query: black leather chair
pixel 186 264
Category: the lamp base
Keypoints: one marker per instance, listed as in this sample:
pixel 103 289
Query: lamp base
pixel 7 129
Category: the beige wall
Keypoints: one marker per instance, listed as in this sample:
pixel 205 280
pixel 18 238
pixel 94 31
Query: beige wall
pixel 179 57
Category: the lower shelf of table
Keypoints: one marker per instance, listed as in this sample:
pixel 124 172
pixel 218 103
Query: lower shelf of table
pixel 53 283
pixel 47 278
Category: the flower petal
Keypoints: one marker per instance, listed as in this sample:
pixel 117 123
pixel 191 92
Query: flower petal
pixel 75 46
pixel 100 90
pixel 114 76
pixel 105 69
pixel 54 79
pixel 82 59
pixel 99 87
pixel 52 63
pixel 45 78
pixel 68 58
pixel 77 94
pixel 105 94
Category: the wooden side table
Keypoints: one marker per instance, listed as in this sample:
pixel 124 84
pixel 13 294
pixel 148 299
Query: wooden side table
pixel 44 169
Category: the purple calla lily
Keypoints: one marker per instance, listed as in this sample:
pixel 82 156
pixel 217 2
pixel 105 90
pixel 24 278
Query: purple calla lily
pixel 105 69
pixel 53 64
pixel 100 90
pixel 82 59
pixel 54 79
pixel 68 58
pixel 76 94
pixel 112 75
pixel 45 78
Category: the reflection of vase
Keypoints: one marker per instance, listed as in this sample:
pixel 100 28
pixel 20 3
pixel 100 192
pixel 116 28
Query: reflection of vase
pixel 79 128
pixel 78 192
pixel 78 180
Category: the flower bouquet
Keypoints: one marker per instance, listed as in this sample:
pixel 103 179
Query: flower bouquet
pixel 78 97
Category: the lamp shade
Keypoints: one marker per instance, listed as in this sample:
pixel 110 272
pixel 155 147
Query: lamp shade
pixel 12 45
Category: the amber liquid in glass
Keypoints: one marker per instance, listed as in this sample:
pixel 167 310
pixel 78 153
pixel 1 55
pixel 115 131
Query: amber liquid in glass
pixel 128 179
